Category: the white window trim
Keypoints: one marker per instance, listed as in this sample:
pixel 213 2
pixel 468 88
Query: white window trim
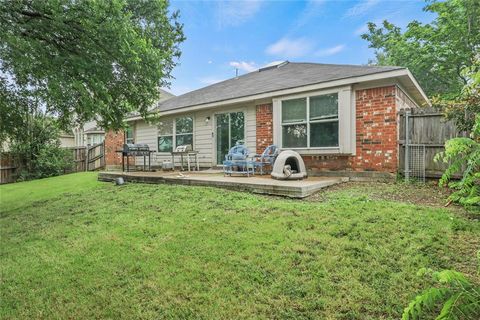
pixel 174 134
pixel 346 122
pixel 132 127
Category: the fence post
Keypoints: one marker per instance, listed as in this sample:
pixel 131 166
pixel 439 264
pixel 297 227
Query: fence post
pixel 407 162
pixel 87 157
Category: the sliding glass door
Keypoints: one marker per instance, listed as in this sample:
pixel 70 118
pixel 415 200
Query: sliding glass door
pixel 230 128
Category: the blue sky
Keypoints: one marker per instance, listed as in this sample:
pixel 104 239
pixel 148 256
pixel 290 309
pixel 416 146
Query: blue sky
pixel 224 35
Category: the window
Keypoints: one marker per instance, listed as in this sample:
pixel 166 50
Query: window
pixel 93 139
pixel 183 131
pixel 165 136
pixel 129 135
pixel 310 122
pixel 176 132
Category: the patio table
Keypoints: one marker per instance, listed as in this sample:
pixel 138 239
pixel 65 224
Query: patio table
pixel 244 167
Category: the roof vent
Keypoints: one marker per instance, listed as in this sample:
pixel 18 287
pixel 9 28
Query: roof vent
pixel 273 65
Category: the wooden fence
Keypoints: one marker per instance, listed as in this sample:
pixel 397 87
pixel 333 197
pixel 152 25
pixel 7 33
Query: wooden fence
pixel 91 158
pixel 426 126
pixel 79 159
pixel 8 168
pixel 88 158
pixel 96 156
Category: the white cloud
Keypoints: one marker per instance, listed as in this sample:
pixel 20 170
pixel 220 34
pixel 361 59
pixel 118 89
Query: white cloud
pixel 245 66
pixel 290 48
pixel 312 9
pixel 330 51
pixel 361 8
pixel 234 13
pixel 210 61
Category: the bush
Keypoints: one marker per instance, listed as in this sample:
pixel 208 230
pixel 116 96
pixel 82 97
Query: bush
pixel 37 150
pixel 463 154
pixel 52 160
pixel 454 297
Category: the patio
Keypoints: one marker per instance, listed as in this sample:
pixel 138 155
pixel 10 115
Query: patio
pixel 215 178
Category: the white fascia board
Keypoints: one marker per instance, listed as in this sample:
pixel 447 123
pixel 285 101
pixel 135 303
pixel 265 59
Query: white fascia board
pixel 420 90
pixel 312 87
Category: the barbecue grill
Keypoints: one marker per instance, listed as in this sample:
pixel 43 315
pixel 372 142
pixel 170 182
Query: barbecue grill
pixel 136 150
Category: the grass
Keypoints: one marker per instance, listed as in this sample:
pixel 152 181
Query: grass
pixel 73 247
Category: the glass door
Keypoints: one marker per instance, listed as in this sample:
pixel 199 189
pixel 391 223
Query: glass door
pixel 230 128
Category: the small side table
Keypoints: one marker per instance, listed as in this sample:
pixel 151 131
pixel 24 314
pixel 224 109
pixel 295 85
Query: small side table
pixel 187 154
pixel 196 163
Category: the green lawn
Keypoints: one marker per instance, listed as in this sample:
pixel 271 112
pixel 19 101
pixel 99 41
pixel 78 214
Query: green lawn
pixel 72 247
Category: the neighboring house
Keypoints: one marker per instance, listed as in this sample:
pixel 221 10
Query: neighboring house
pixel 85 136
pixel 67 139
pixel 93 136
pixel 340 118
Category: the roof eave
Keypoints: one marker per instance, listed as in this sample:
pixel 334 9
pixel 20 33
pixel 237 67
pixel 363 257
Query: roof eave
pixel 421 97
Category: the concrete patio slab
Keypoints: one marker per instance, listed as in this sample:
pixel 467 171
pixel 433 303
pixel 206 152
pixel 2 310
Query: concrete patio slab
pixel 256 184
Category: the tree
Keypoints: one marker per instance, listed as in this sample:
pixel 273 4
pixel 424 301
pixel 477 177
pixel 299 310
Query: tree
pixel 84 60
pixel 36 146
pixel 437 52
pixel 463 153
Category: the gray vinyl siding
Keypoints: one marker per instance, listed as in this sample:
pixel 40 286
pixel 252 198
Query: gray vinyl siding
pixel 203 139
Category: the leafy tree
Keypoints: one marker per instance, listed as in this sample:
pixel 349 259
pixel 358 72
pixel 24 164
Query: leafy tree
pixel 36 148
pixel 436 52
pixel 463 108
pixel 84 60
pixel 463 153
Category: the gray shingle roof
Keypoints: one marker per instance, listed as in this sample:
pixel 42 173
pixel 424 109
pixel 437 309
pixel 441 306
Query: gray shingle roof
pixel 289 75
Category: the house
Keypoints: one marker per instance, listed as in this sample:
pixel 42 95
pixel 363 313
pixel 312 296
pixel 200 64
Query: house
pixel 342 119
pixel 82 136
pixel 67 139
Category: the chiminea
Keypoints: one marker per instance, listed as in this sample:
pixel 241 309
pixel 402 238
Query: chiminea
pixel 289 165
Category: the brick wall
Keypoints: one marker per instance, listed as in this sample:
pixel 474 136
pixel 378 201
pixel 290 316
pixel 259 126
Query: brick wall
pixel 113 142
pixel 264 118
pixel 376 126
pixel 376 134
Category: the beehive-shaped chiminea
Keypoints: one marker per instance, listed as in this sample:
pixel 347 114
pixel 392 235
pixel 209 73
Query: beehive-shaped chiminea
pixel 289 165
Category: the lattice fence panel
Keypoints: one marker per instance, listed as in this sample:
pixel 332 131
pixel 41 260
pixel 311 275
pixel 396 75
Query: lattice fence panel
pixel 416 163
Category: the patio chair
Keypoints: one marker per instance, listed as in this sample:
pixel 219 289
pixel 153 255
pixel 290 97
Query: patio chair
pixel 237 158
pixel 266 159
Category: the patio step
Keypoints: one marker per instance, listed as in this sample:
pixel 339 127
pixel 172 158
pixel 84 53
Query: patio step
pixel 255 184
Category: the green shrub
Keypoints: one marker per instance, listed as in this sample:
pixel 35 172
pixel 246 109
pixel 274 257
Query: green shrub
pixel 454 297
pixel 37 150
pixel 463 154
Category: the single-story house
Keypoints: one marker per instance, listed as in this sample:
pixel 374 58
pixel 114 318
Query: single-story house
pixel 340 118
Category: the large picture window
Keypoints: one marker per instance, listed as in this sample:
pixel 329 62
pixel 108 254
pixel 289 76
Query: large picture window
pixel 175 132
pixel 310 122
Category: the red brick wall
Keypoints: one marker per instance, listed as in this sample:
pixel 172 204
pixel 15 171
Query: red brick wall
pixel 376 134
pixel 264 126
pixel 113 142
pixel 376 126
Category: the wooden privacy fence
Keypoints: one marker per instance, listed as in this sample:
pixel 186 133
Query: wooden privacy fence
pixel 88 158
pixel 8 168
pixel 84 158
pixel 96 156
pixel 426 127
pixel 78 155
